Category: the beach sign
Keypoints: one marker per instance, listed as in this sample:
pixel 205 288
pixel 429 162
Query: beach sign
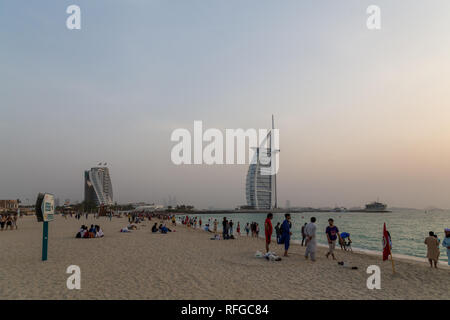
pixel 48 207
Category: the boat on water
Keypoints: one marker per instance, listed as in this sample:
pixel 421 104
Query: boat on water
pixel 376 207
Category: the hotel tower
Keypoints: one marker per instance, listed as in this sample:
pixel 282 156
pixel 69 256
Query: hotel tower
pixel 97 186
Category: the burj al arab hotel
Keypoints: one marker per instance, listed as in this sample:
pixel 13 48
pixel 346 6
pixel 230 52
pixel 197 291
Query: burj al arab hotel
pixel 261 182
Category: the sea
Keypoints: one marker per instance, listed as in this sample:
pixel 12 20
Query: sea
pixel 408 227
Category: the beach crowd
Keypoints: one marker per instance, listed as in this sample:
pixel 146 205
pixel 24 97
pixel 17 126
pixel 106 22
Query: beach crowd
pixel 8 221
pixel 283 232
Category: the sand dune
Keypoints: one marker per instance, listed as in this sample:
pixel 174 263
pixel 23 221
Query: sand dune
pixel 186 264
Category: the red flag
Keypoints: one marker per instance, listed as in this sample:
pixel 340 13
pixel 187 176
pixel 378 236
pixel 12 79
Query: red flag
pixel 386 243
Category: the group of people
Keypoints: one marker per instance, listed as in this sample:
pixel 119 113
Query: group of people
pixel 433 243
pixel 162 228
pixel 253 227
pixel 227 228
pixel 309 239
pixel 8 221
pixel 92 232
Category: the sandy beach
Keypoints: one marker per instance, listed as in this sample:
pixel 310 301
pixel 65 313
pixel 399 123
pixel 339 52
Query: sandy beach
pixel 186 264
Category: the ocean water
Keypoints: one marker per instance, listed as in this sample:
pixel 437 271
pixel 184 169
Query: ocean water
pixel 408 227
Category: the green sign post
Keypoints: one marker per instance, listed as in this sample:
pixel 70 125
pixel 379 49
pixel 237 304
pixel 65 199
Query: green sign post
pixel 45 241
pixel 45 209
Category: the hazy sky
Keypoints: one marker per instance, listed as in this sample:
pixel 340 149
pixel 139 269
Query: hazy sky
pixel 362 114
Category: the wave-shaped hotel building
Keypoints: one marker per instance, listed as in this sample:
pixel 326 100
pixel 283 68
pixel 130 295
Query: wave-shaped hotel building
pixel 98 186
pixel 261 183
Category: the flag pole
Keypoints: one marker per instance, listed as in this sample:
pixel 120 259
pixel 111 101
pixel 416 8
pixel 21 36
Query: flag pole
pixel 392 260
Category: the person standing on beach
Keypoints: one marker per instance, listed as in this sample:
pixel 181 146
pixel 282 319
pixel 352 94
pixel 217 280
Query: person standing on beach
pixel 247 228
pixel 238 229
pixel 310 231
pixel 286 233
pixel 231 228
pixel 278 232
pixel 446 243
pixel 224 226
pixel 432 249
pixel 332 234
pixel 215 225
pixel 303 234
pixel 268 230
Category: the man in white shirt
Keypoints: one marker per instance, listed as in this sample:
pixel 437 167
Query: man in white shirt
pixel 310 231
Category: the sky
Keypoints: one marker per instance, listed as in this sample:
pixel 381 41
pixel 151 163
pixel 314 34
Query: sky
pixel 363 114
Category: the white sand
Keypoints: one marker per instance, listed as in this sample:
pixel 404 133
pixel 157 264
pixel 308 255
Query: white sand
pixel 186 264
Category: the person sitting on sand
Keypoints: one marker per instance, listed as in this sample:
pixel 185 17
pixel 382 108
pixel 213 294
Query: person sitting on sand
pixel 2 221
pixel 8 222
pixel 132 227
pixel 155 228
pixel 446 243
pixel 432 249
pixel 80 232
pixel 98 232
pixel 85 233
pixel 92 231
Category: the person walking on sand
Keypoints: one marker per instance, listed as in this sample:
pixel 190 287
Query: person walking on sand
pixel 332 234
pixel 303 234
pixel 286 233
pixel 215 225
pixel 278 232
pixel 310 231
pixel 268 230
pixel 446 243
pixel 432 249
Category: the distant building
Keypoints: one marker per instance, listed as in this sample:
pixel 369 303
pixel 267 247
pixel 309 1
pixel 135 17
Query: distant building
pixel 259 181
pixel 98 186
pixel 9 205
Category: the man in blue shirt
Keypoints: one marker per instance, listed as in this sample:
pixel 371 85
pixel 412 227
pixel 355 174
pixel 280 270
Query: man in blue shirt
pixel 286 233
pixel 332 234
